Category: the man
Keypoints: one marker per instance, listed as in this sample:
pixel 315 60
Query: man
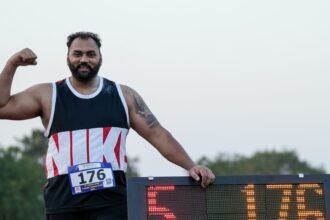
pixel 87 118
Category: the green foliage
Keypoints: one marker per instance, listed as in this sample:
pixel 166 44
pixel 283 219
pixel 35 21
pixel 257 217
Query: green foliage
pixel 264 162
pixel 21 181
pixel 35 145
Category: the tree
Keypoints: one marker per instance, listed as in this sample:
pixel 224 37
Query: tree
pixel 21 181
pixel 262 162
pixel 35 145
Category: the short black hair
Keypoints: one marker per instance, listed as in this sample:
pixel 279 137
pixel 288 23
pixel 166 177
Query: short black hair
pixel 83 35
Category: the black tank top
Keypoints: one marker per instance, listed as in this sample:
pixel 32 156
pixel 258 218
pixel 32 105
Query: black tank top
pixel 85 128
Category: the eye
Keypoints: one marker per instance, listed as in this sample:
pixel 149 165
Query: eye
pixel 76 54
pixel 91 54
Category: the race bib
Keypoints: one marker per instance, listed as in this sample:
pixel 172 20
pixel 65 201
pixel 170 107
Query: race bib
pixel 89 177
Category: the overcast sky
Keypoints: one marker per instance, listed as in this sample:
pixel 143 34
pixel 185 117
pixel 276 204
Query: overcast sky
pixel 222 76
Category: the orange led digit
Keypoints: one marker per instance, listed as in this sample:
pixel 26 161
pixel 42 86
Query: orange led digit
pixel 285 200
pixel 303 213
pixel 250 202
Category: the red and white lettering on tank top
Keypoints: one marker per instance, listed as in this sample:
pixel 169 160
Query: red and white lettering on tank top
pixel 70 148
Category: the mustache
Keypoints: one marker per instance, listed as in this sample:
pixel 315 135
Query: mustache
pixel 84 65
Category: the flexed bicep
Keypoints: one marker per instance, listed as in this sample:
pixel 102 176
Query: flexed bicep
pixel 26 104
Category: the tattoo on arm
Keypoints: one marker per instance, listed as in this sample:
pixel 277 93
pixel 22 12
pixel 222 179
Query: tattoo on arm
pixel 142 109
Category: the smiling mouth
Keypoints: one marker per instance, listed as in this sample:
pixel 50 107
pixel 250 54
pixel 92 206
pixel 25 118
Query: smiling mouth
pixel 84 68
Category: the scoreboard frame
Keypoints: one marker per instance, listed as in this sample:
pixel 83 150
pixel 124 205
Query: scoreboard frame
pixel 137 188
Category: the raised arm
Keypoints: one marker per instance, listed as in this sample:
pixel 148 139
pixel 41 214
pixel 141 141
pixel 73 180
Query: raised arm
pixel 22 58
pixel 26 104
pixel 146 125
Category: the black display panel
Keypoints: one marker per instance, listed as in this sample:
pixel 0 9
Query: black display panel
pixel 287 197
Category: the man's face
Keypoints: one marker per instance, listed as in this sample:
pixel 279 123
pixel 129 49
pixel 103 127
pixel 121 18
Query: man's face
pixel 84 59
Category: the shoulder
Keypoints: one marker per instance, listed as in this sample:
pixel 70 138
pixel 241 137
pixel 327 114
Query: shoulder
pixel 128 92
pixel 42 87
pixel 131 96
pixel 42 90
pixel 125 88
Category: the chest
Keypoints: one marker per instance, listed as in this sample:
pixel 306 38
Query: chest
pixel 71 112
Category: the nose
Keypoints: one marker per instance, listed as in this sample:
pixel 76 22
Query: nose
pixel 84 59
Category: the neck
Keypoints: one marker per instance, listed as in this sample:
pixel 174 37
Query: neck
pixel 87 87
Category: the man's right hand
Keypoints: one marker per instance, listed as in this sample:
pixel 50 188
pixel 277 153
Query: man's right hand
pixel 24 57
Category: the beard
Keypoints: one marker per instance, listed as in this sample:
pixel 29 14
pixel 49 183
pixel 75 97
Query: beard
pixel 84 76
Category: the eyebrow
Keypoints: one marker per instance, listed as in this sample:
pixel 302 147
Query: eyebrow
pixel 81 51
pixel 86 52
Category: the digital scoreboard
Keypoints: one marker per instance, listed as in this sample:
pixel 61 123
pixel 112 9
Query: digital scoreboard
pixel 285 197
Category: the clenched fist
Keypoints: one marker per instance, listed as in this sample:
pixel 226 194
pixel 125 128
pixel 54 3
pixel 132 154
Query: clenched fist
pixel 24 57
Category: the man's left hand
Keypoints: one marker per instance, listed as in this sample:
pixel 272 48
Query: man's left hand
pixel 203 174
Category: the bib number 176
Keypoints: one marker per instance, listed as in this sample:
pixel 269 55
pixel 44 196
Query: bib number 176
pixel 90 176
